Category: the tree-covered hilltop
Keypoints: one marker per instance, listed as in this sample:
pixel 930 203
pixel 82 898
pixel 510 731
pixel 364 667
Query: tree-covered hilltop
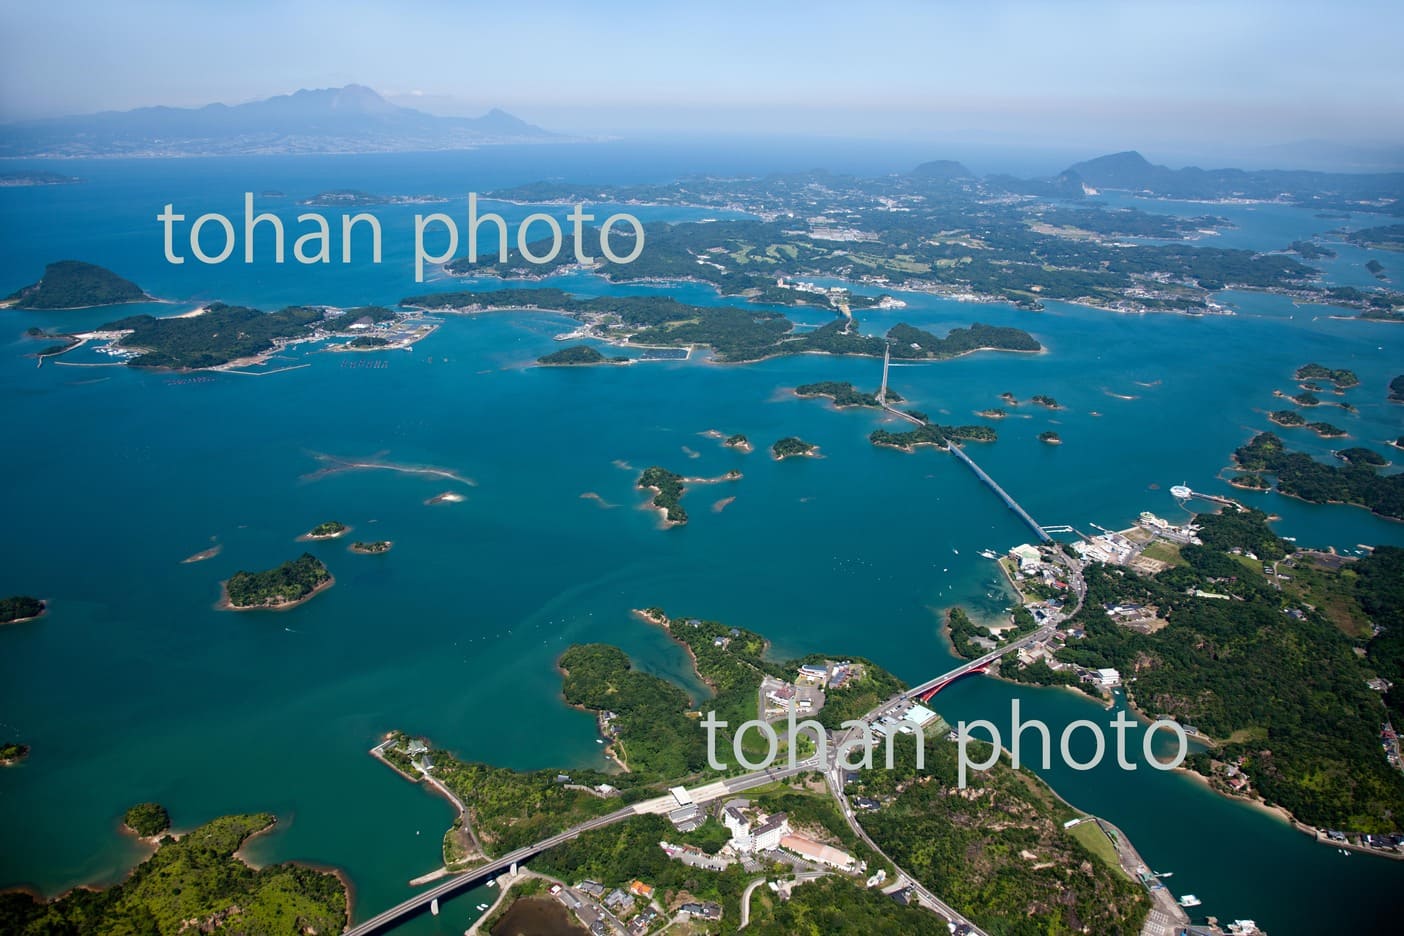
pixel 909 341
pixel 220 334
pixel 19 608
pixel 973 847
pixel 1379 588
pixel 1272 672
pixel 194 884
pixel 931 434
pixel 578 354
pixel 1342 378
pixel 1359 455
pixel 667 490
pixel 652 734
pixel 73 284
pixel 147 819
pixel 1288 418
pixel 791 446
pixel 287 584
pixel 844 393
pixel 1302 476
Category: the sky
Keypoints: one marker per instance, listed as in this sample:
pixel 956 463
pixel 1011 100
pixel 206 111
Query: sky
pixel 1095 73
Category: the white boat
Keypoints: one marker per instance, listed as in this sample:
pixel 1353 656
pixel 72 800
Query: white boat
pixel 1164 874
pixel 989 554
pixel 956 551
pixel 1189 900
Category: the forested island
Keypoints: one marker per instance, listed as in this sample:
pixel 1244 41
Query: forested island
pixel 327 529
pixel 1362 456
pixel 19 608
pixel 1300 475
pixel 371 549
pixel 1396 389
pixel 12 752
pixel 73 284
pixel 734 334
pixel 1342 378
pixel 193 884
pixel 578 355
pixel 1271 678
pixel 667 488
pixel 1043 399
pixel 738 441
pixel 1049 437
pixel 792 447
pixel 147 819
pixel 931 434
pixel 279 588
pixel 844 393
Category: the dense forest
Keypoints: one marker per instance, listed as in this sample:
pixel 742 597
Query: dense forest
pixel 147 819
pixel 972 847
pixel 734 334
pixel 654 736
pixel 194 884
pixel 791 446
pixel 577 355
pixel 843 393
pixel 222 333
pixel 1285 692
pixel 1302 476
pixel 288 583
pixel 73 284
pixel 668 491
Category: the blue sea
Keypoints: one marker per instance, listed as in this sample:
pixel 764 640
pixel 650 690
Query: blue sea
pixel 135 688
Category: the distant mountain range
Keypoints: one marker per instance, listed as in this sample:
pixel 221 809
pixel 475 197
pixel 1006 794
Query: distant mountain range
pixel 1132 171
pixel 353 119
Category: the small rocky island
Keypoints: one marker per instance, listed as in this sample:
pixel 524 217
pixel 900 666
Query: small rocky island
pixel 73 284
pixel 330 529
pixel 277 589
pixel 12 752
pixel 738 442
pixel 667 488
pixel 792 447
pixel 147 819
pixel 1050 438
pixel 371 549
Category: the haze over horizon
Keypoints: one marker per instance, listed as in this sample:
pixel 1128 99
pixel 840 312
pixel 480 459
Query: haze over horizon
pixel 1178 81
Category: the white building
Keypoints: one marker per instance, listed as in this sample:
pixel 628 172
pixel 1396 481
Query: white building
pixel 1108 677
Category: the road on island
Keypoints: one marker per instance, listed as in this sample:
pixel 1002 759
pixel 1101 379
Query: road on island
pixel 718 788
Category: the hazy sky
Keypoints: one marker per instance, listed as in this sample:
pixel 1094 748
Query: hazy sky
pixel 1121 72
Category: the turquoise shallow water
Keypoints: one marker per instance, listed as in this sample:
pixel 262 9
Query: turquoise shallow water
pixel 135 688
